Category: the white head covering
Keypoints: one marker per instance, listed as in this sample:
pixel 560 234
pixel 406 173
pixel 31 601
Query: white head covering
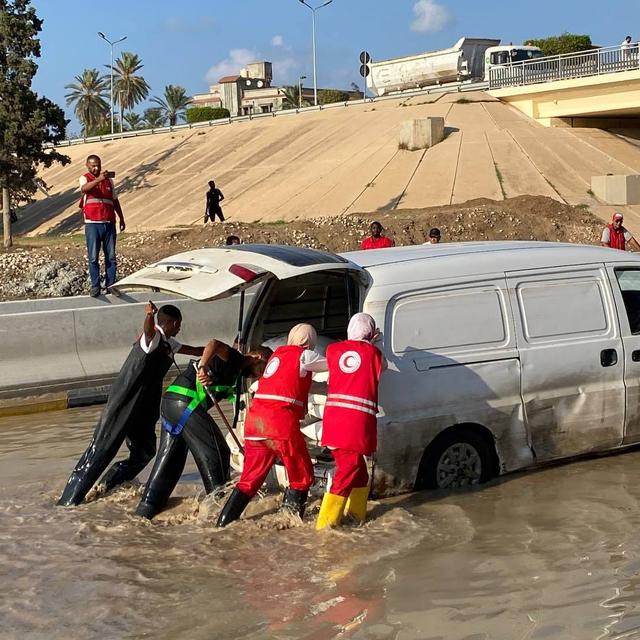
pixel 361 327
pixel 303 335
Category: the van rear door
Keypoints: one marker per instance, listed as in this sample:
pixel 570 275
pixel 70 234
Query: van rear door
pixel 211 274
pixel 572 359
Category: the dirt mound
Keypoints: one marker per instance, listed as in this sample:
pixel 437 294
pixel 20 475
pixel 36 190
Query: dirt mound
pixel 521 218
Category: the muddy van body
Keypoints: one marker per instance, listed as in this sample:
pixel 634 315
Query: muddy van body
pixel 501 355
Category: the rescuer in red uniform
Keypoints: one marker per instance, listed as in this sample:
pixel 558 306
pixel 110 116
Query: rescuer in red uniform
pixel 616 236
pixel 349 424
pixel 272 428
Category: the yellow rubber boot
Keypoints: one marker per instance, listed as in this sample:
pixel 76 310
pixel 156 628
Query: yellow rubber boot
pixel 356 506
pixel 331 511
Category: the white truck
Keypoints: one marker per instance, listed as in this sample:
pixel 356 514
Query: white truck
pixel 470 59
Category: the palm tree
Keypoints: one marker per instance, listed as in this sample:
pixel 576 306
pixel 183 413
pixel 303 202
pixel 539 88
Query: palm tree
pixel 130 87
pixel 173 104
pixel 291 97
pixel 154 118
pixel 89 93
pixel 133 119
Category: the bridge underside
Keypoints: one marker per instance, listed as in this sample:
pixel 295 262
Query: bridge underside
pixel 606 101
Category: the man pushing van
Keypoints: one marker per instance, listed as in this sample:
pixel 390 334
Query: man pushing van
pixel 349 424
pixel 132 409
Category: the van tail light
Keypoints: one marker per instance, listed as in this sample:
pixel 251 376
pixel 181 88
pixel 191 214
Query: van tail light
pixel 244 273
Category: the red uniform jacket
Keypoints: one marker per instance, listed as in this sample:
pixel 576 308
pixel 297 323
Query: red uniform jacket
pixel 377 243
pixel 349 420
pixel 97 205
pixel 281 399
pixel 616 238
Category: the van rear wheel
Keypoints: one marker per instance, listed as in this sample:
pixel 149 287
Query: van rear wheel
pixel 457 459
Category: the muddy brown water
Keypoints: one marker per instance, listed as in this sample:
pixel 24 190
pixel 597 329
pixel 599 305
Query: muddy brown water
pixel 550 554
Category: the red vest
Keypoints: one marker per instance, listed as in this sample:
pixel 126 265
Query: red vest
pixel 281 399
pixel 349 420
pixel 97 205
pixel 616 238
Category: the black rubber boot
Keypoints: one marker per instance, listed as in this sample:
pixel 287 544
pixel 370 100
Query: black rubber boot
pixel 233 508
pixel 147 510
pixel 294 501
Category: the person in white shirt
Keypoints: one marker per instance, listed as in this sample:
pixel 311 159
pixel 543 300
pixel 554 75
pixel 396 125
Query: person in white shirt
pixel 132 409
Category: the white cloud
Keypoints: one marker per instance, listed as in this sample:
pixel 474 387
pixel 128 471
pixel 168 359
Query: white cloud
pixel 231 65
pixel 277 41
pixel 430 16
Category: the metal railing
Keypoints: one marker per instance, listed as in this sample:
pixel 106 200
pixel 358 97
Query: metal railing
pixel 455 87
pixel 565 67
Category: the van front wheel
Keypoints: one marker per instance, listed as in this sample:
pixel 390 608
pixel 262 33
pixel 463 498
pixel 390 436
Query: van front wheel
pixel 460 458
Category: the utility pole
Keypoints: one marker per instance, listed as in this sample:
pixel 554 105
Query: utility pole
pixel 313 44
pixel 111 68
pixel 6 217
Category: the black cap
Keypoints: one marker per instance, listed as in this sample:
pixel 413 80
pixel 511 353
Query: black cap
pixel 434 233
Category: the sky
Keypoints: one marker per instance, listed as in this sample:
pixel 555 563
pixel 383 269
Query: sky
pixel 194 43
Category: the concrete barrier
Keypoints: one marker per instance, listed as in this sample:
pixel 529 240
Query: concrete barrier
pixel 68 343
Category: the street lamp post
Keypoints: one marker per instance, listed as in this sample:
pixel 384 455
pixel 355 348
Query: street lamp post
pixel 313 24
pixel 300 91
pixel 111 68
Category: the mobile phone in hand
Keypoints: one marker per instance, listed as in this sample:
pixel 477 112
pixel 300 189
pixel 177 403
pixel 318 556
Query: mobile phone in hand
pixel 111 174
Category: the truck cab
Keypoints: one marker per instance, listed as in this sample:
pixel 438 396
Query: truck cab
pixel 505 55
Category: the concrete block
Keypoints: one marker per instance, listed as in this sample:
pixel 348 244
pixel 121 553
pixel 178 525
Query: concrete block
pixel 619 189
pixel 421 134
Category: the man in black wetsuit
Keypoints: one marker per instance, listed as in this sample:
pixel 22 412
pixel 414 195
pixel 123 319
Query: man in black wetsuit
pixel 132 409
pixel 213 208
pixel 187 425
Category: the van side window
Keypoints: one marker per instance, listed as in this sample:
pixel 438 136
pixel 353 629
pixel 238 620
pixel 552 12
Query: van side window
pixel 556 308
pixel 629 281
pixel 449 320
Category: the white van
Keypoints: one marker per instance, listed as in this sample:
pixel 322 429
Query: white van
pixel 502 355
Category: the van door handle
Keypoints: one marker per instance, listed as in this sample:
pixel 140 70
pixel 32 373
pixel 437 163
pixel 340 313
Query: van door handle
pixel 635 355
pixel 608 357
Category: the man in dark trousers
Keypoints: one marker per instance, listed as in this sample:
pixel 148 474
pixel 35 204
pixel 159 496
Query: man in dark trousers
pixel 214 198
pixel 187 425
pixel 100 205
pixel 132 409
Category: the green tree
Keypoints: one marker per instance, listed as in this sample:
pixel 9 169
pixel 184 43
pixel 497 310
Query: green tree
pixel 154 118
pixel 127 86
pixel 27 122
pixel 133 120
pixel 204 114
pixel 328 96
pixel 291 97
pixel 174 103
pixel 89 94
pixel 564 43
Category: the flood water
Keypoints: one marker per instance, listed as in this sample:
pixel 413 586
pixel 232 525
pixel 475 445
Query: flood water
pixel 551 554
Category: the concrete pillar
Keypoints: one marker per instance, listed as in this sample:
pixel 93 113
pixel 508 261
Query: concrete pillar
pixel 421 134
pixel 620 189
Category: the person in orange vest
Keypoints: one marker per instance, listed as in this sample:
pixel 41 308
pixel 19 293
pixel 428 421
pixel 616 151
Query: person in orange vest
pixel 349 424
pixel 615 236
pixel 272 428
pixel 100 204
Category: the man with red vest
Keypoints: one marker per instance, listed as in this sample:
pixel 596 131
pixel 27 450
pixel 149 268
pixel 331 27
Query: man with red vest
pixel 349 424
pixel 272 428
pixel 377 239
pixel 99 206
pixel 615 236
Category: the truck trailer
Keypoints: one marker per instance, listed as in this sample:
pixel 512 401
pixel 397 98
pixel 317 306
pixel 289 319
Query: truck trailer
pixel 468 60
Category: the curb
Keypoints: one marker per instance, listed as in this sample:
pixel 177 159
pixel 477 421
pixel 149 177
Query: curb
pixel 54 402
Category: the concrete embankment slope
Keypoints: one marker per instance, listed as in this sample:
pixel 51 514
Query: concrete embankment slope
pixel 340 160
